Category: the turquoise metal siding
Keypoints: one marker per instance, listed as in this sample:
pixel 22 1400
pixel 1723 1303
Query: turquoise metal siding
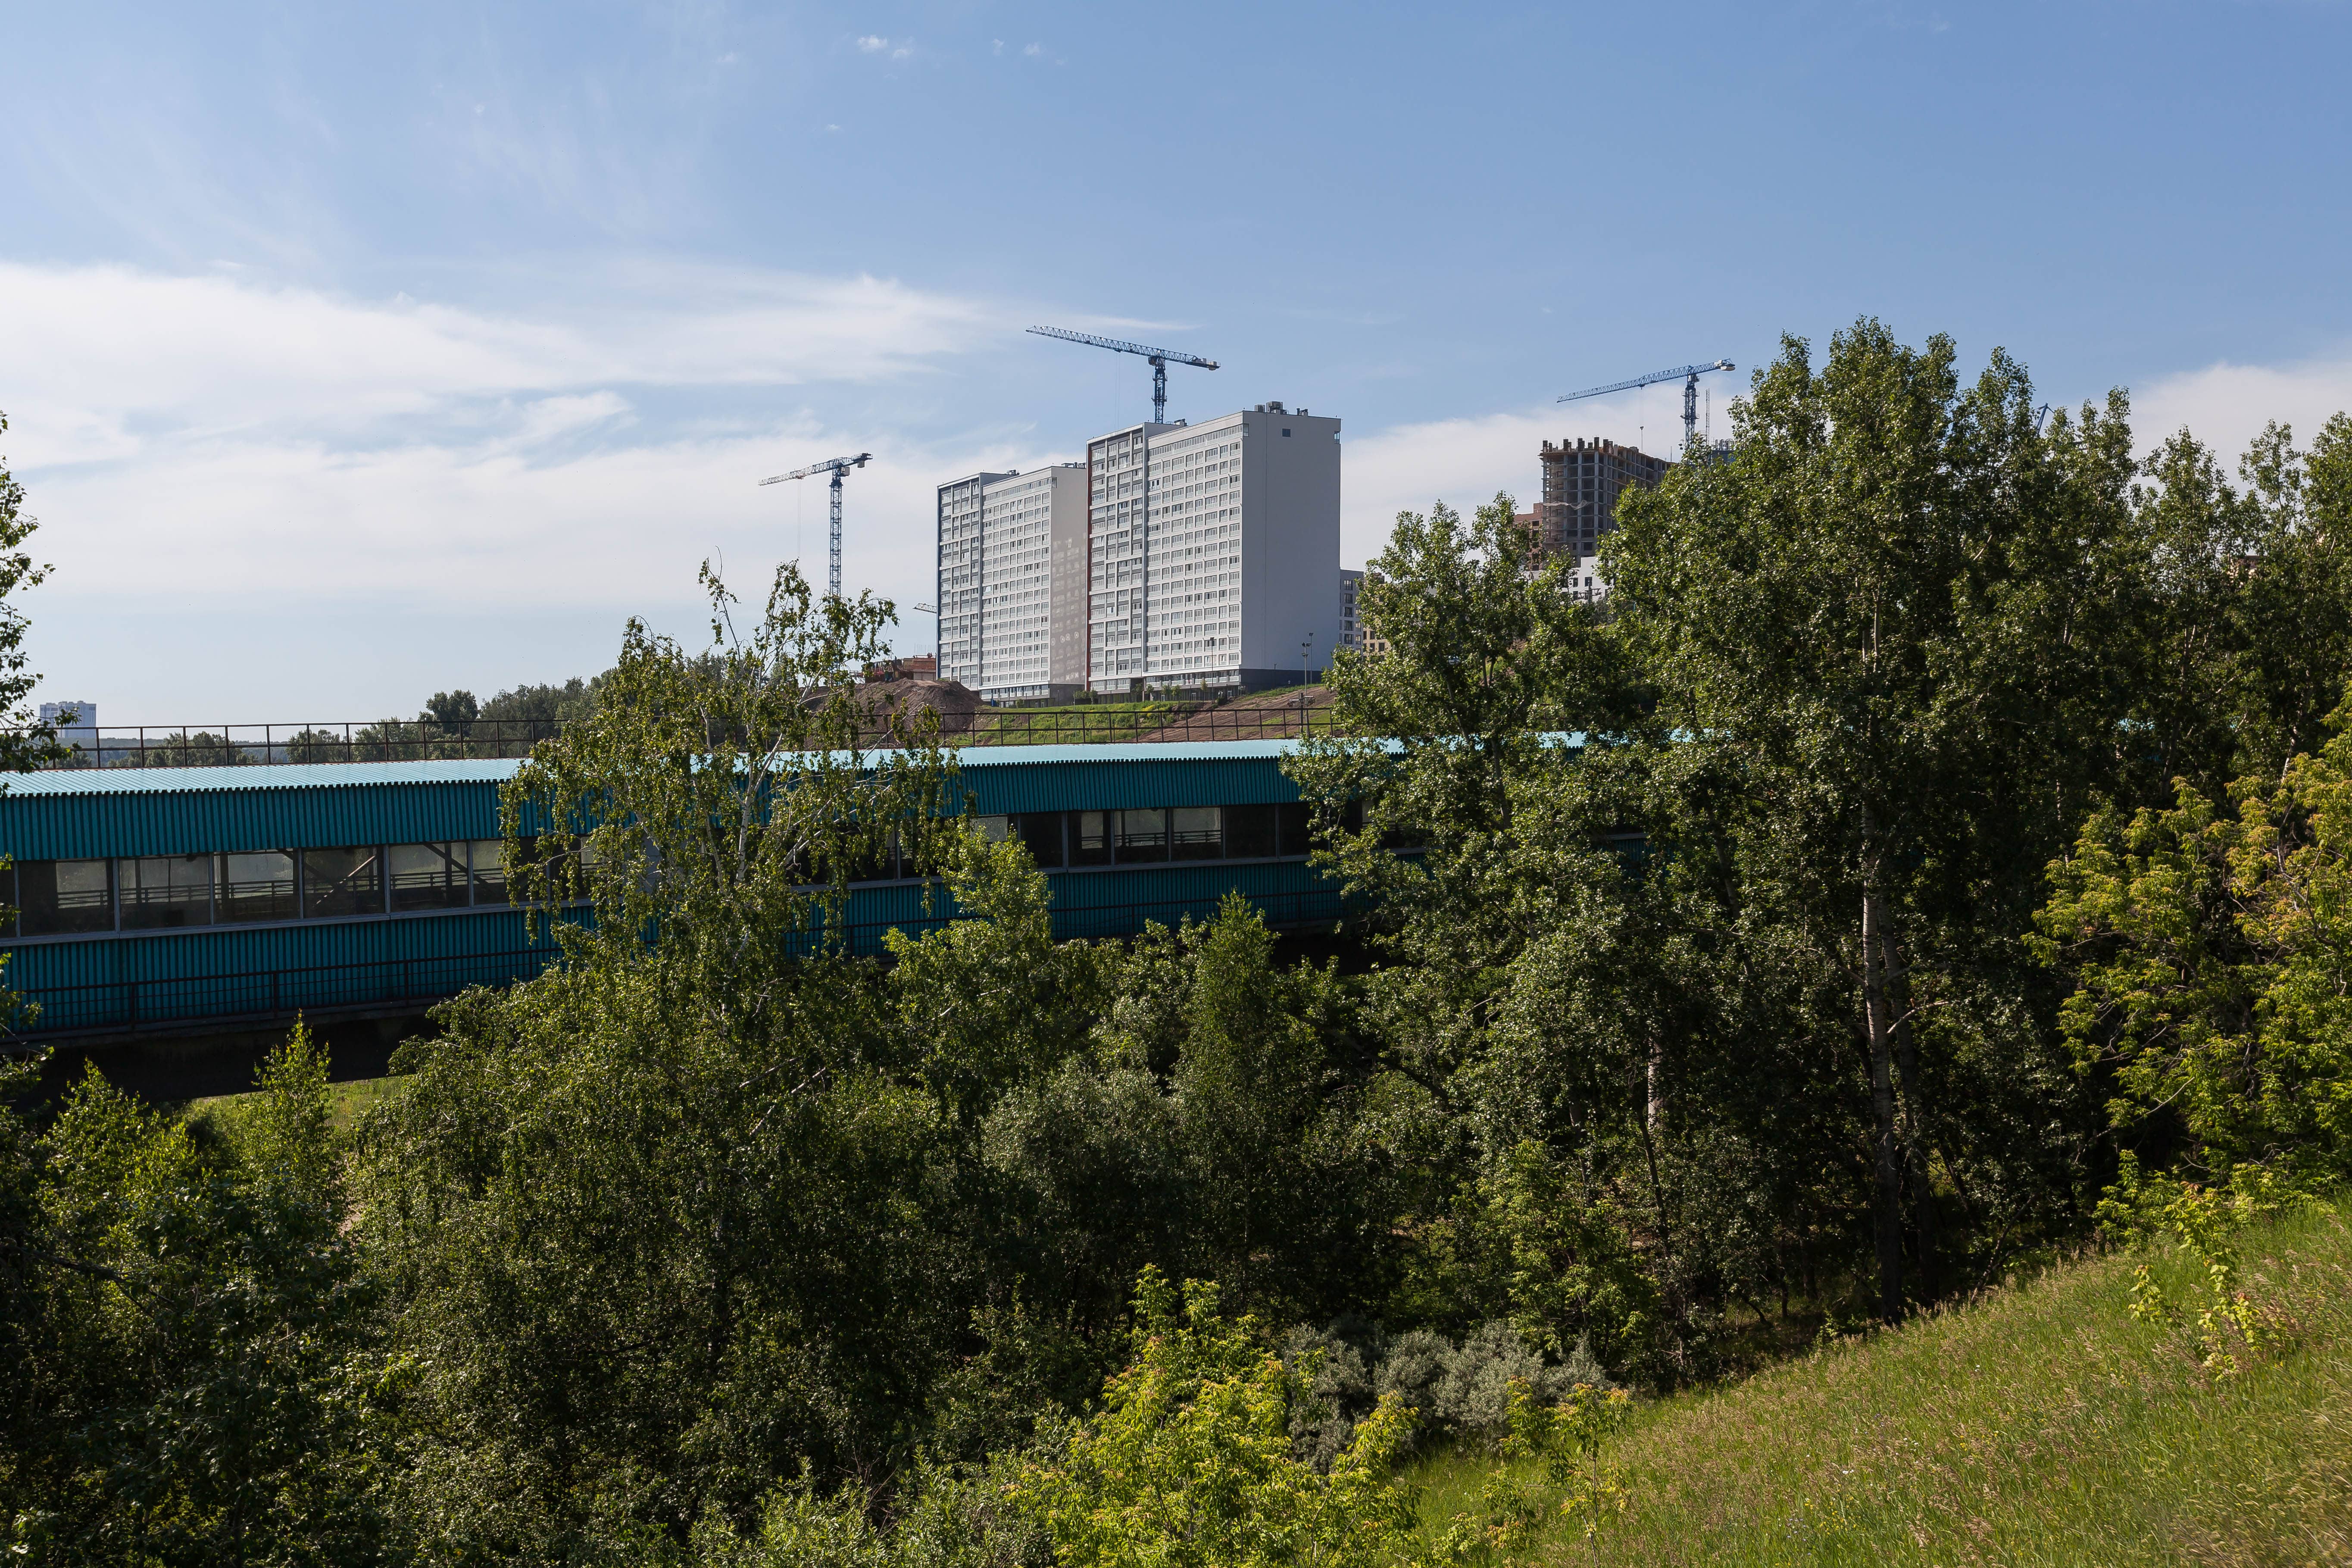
pixel 1125 785
pixel 1116 902
pixel 148 978
pixel 190 811
pixel 231 950
pixel 55 825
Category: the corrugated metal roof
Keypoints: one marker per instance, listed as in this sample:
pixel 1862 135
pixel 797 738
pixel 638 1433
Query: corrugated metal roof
pixel 257 776
pixel 343 775
pixel 76 814
pixel 1137 751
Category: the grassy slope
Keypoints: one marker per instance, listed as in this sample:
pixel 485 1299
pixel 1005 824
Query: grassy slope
pixel 346 1101
pixel 2043 1424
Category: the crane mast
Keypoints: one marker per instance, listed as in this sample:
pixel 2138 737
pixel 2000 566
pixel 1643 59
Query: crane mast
pixel 837 466
pixel 1158 358
pixel 1687 374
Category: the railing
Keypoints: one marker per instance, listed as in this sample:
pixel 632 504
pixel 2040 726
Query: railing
pixel 260 997
pixel 245 745
pixel 1271 717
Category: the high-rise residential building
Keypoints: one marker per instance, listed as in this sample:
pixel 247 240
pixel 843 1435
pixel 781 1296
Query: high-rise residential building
pixel 1211 548
pixel 1351 629
pixel 82 733
pixel 1581 487
pixel 1005 541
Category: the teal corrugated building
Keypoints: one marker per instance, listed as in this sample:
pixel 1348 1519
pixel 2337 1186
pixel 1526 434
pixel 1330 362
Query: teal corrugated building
pixel 176 898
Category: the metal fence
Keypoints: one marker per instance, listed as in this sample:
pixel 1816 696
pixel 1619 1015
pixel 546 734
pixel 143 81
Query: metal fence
pixel 401 741
pixel 261 997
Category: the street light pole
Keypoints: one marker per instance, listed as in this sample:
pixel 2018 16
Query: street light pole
pixel 1305 642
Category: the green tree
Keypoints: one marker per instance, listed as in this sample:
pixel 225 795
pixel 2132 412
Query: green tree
pixel 453 711
pixel 1191 1463
pixel 185 1375
pixel 672 1220
pixel 26 743
pixel 1903 614
pixel 2209 944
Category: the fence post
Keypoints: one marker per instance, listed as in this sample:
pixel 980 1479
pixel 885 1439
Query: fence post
pixel 132 990
pixel 274 1008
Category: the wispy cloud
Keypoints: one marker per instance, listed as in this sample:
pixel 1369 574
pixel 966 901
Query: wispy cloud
pixel 122 357
pixel 199 433
pixel 1464 462
pixel 896 49
pixel 2226 405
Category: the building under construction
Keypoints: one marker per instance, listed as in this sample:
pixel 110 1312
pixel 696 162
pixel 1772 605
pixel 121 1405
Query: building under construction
pixel 1581 487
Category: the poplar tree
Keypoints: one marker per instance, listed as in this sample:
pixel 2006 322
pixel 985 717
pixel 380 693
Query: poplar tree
pixel 1901 615
pixel 25 742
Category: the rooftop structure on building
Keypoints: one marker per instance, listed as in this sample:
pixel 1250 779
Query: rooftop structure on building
pixel 1211 548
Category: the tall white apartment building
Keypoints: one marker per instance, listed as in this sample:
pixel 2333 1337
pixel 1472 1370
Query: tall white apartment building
pixel 82 733
pixel 1352 626
pixel 1211 549
pixel 1005 631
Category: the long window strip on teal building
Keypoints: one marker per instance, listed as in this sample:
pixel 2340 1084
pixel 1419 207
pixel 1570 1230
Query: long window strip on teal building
pixel 149 893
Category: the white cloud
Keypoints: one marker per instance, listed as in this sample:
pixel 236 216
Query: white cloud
pixel 1032 51
pixel 1463 462
pixel 897 50
pixel 494 525
pixel 203 435
pixel 2226 405
pixel 871 44
pixel 108 364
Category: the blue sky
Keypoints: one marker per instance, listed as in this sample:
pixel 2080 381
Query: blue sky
pixel 354 353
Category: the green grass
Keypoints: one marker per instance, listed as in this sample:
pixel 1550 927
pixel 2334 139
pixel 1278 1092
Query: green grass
pixel 346 1102
pixel 2040 1425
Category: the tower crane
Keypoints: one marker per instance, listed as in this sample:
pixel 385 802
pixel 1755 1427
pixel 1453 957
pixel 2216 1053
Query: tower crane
pixel 1159 358
pixel 1688 374
pixel 837 466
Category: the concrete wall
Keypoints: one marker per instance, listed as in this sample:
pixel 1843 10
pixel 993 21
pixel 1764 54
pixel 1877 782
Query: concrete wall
pixel 1067 661
pixel 1290 543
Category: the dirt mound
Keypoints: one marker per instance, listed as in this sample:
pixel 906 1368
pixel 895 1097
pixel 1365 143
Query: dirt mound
pixel 892 708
